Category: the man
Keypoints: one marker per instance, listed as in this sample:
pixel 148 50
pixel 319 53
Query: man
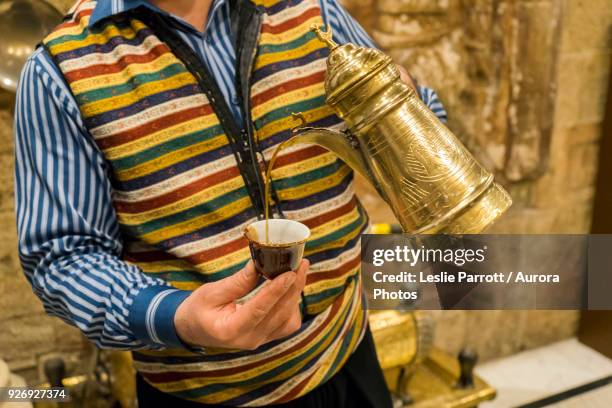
pixel 141 131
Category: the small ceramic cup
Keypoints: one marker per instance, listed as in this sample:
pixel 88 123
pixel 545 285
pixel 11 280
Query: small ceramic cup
pixel 285 248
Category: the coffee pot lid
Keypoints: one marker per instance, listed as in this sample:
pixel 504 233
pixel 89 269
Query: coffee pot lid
pixel 347 65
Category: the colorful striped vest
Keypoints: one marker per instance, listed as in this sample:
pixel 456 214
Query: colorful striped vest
pixel 182 202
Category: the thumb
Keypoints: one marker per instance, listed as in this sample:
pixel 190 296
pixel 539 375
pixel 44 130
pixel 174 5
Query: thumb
pixel 234 287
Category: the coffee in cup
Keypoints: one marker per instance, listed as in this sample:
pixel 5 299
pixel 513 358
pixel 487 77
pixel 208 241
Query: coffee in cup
pixel 282 251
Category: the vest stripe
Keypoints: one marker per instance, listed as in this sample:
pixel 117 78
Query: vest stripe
pixel 98 64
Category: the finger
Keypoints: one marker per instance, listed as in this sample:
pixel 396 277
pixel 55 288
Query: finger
pixel 304 266
pixel 282 311
pixel 283 324
pixel 285 307
pixel 278 314
pixel 233 287
pixel 289 327
pixel 259 307
pixel 405 77
pixel 300 278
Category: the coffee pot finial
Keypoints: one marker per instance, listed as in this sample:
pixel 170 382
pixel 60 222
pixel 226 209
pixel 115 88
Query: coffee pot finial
pixel 324 36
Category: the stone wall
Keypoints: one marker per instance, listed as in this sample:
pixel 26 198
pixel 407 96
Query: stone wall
pixel 525 85
pixel 28 335
pixel 507 71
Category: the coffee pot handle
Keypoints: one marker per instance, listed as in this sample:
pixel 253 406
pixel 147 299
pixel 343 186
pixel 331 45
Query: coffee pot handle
pixel 343 145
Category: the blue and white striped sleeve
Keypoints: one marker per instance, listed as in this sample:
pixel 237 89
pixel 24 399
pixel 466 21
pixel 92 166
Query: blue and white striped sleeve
pixel 346 29
pixel 69 239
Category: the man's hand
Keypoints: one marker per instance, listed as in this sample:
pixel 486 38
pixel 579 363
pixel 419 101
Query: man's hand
pixel 211 317
pixel 406 78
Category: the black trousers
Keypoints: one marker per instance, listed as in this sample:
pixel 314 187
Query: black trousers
pixel 359 384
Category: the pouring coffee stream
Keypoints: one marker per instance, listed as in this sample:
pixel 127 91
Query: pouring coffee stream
pixel 268 178
pixel 430 180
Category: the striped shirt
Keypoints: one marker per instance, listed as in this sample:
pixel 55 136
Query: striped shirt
pixel 70 243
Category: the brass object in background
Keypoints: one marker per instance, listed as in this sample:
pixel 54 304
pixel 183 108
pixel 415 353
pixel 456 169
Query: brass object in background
pixel 108 380
pixel 122 377
pixel 434 384
pixel 22 24
pixel 417 374
pixel 431 181
pixel 402 339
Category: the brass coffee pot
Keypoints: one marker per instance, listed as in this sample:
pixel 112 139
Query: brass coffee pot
pixel 431 181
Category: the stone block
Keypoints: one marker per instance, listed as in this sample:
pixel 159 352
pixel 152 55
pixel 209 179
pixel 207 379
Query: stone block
pixel 29 373
pixel 27 369
pixel 16 296
pixel 512 222
pixel 582 165
pixel 6 132
pixel 537 221
pixel 6 182
pixel 572 166
pixel 7 102
pixel 30 336
pixel 587 25
pixel 415 28
pixel 494 333
pixel 573 218
pixel 521 193
pixel 583 196
pixel 62 5
pixel 532 63
pixel 66 337
pixel 7 205
pixel 362 11
pixel 587 133
pixel 582 88
pixel 415 6
pixel 450 330
pixel 547 326
pixel 547 191
pixel 26 337
pixel 8 236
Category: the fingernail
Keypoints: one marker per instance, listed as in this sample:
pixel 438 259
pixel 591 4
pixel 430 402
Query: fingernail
pixel 289 279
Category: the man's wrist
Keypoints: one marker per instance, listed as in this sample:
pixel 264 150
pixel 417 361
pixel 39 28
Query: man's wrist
pixel 151 315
